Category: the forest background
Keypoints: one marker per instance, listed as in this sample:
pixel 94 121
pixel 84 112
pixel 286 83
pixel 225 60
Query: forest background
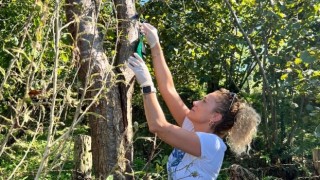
pixel 54 89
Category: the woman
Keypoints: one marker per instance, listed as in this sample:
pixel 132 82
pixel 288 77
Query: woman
pixel 198 139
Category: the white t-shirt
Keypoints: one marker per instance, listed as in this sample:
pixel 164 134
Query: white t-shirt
pixel 185 166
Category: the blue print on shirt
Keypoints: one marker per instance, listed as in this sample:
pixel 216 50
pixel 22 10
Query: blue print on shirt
pixel 177 155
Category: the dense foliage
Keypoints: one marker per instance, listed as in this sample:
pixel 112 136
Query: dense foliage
pixel 205 49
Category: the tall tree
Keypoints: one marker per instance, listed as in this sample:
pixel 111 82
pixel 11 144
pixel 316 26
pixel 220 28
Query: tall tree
pixel 111 119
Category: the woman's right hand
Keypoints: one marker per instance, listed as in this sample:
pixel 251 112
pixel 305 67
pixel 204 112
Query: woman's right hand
pixel 151 34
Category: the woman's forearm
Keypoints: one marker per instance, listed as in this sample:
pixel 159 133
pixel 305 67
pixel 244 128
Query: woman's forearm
pixel 154 114
pixel 162 72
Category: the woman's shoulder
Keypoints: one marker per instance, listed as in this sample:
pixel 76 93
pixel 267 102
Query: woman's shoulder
pixel 211 141
pixel 187 124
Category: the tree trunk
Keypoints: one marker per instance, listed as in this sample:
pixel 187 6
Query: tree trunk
pixel 82 158
pixel 127 25
pixel 316 160
pixel 111 126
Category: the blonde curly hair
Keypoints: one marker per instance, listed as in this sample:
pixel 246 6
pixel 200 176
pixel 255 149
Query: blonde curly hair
pixel 239 121
pixel 244 129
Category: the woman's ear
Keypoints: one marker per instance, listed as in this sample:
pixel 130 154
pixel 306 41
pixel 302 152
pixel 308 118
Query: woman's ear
pixel 216 117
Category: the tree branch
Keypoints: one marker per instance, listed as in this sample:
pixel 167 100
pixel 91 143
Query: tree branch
pixel 254 53
pixel 54 93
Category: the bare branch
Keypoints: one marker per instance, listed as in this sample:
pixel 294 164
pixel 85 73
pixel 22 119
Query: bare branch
pixel 55 77
pixel 253 51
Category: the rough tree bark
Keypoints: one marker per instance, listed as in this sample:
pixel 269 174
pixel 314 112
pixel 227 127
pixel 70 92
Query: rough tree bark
pixel 111 131
pixel 82 158
pixel 316 160
pixel 127 26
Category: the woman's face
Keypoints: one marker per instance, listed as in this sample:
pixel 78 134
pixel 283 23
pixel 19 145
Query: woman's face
pixel 203 110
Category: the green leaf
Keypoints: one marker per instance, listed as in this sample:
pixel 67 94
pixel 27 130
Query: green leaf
pixel 20 51
pixel 2 71
pixel 307 57
pixel 64 57
pixel 282 15
pixel 316 74
pixel 298 61
pixel 274 59
pixel 110 177
pixel 294 105
pixel 309 107
pixel 284 76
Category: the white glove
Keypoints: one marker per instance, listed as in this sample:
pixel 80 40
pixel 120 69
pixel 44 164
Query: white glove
pixel 137 65
pixel 151 34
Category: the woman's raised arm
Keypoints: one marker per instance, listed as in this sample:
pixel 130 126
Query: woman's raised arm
pixel 163 75
pixel 173 135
